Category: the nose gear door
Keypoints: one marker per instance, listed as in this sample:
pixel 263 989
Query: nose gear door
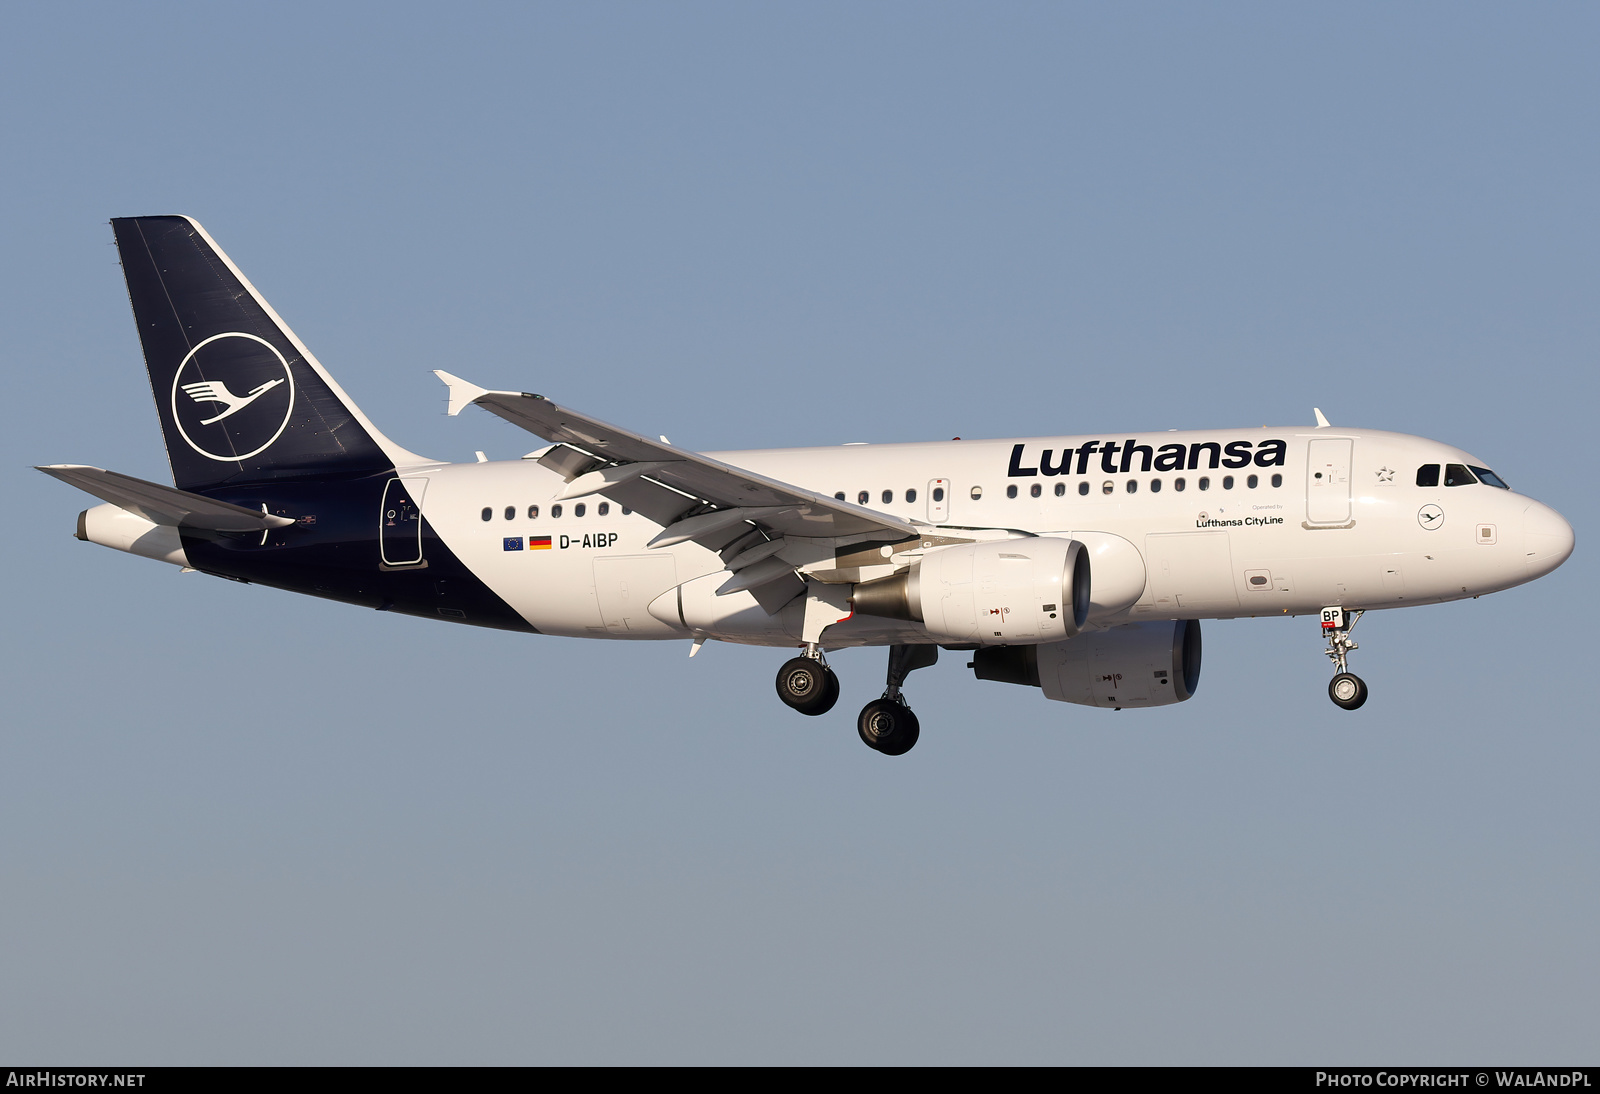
pixel 400 523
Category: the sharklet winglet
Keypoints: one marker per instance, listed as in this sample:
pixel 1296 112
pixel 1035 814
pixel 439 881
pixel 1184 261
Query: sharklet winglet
pixel 463 393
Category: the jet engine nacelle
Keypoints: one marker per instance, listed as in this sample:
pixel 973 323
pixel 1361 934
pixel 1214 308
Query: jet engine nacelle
pixel 1119 574
pixel 1136 665
pixel 1011 592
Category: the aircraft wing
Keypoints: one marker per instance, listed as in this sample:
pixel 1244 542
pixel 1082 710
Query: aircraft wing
pixel 164 504
pixel 694 496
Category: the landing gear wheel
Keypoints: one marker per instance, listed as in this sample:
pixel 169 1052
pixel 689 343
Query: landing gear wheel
pixel 888 726
pixel 1348 690
pixel 808 685
pixel 831 679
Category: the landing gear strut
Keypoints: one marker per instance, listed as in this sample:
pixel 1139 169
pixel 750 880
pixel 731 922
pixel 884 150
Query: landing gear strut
pixel 1346 688
pixel 807 684
pixel 887 724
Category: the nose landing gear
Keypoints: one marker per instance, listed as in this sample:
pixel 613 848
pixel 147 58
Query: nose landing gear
pixel 1346 689
pixel 887 724
pixel 807 684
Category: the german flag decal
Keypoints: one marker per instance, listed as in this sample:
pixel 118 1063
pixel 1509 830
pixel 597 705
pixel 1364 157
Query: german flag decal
pixel 538 543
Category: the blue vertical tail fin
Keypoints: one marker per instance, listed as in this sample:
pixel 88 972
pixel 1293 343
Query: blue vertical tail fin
pixel 240 398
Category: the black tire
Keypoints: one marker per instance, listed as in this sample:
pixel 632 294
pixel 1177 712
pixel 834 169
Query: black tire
pixel 831 680
pixel 1347 690
pixel 807 685
pixel 889 727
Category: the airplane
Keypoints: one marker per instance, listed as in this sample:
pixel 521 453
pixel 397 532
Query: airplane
pixel 1078 565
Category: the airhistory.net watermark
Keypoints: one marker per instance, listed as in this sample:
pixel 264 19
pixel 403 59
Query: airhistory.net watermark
pixel 48 1078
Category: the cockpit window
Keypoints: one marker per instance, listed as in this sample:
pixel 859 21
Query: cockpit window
pixel 1428 475
pixel 1489 478
pixel 1456 474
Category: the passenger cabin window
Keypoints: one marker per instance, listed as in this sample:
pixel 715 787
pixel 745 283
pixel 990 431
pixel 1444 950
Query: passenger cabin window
pixel 1106 487
pixel 533 512
pixel 488 514
pixel 888 496
pixel 977 492
pixel 911 496
pixel 1179 484
pixel 938 493
pixel 839 496
pixel 1155 486
pixel 1204 483
pixel 511 512
pixel 555 510
pixel 863 497
pixel 1227 482
pixel 1456 474
pixel 1011 491
pixel 1133 486
pixel 578 510
pixel 1428 475
pixel 1277 480
pixel 1035 490
pixel 603 508
pixel 1489 478
pixel 1083 489
pixel 1252 482
pixel 1061 489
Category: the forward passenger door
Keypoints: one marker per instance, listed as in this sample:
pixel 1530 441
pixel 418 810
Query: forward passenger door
pixel 1328 482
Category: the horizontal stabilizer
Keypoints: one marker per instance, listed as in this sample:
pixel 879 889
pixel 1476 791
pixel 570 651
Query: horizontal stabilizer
pixel 164 504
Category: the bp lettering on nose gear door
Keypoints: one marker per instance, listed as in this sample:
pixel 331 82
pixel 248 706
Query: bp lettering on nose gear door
pixel 400 523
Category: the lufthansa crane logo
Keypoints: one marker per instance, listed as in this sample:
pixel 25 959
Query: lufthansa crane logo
pixel 232 396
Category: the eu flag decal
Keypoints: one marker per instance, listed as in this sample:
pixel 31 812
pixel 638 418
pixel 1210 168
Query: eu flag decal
pixel 512 543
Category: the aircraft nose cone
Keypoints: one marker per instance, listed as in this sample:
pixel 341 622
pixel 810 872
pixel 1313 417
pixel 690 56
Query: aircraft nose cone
pixel 1547 539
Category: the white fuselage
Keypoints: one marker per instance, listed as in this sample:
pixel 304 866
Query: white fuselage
pixel 1347 524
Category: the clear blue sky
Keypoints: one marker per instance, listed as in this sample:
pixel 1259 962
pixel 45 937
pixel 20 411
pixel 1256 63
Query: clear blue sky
pixel 242 826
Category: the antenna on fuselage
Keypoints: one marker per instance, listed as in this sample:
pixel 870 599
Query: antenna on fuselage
pixel 1322 423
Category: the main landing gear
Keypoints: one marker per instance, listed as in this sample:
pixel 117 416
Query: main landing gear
pixel 807 684
pixel 887 724
pixel 1346 688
